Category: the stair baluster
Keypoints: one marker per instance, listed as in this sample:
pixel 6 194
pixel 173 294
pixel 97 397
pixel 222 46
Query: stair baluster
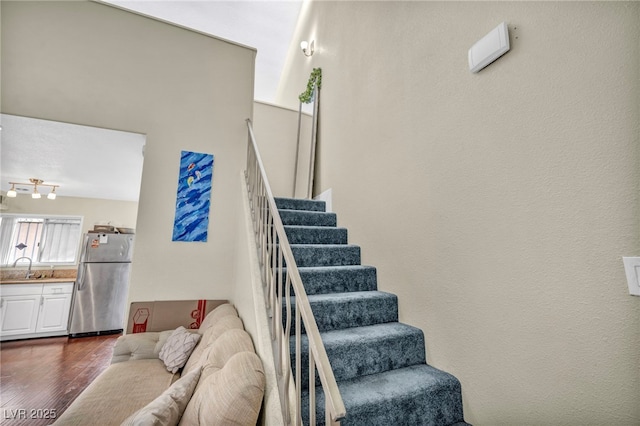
pixel 274 253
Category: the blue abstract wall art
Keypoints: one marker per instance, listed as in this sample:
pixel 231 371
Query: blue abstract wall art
pixel 194 197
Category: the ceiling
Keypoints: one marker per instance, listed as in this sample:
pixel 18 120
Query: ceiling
pixel 99 163
pixel 85 161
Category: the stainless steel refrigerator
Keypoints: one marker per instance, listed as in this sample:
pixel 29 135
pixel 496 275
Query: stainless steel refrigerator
pixel 102 284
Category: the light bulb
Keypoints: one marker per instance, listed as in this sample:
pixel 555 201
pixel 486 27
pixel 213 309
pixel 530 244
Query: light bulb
pixel 12 192
pixel 52 194
pixel 307 47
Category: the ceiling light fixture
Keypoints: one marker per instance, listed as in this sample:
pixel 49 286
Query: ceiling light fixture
pixel 308 48
pixel 12 193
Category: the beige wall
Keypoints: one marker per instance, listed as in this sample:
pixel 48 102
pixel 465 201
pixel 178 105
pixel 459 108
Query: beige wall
pixel 92 64
pixel 496 205
pixel 93 210
pixel 276 132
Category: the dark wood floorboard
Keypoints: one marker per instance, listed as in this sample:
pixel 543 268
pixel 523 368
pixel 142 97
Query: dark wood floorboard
pixel 39 378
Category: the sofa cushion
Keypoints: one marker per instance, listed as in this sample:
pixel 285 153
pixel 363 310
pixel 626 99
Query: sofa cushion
pixel 215 315
pixel 217 329
pixel 176 350
pixel 117 392
pixel 139 346
pixel 231 395
pixel 223 349
pixel 167 409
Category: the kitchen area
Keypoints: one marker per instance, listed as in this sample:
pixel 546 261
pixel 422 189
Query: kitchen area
pixel 65 259
pixel 84 302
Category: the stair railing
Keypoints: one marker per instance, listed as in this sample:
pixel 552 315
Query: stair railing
pixel 274 253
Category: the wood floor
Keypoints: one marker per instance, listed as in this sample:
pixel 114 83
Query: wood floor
pixel 39 378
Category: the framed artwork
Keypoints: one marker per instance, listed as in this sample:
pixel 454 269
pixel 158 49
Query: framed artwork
pixel 191 221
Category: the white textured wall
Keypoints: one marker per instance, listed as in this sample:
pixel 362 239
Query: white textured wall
pixel 88 63
pixel 496 205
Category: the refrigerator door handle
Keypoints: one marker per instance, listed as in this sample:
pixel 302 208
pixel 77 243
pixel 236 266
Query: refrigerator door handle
pixel 82 271
pixel 83 252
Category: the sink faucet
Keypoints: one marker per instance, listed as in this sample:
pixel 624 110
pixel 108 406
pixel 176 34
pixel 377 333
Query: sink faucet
pixel 29 273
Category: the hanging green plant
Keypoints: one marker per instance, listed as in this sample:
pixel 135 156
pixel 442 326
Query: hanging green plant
pixel 314 80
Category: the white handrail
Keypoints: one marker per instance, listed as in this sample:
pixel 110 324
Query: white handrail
pixel 274 253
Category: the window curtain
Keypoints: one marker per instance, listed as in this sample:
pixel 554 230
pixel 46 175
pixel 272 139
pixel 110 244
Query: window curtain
pixel 60 241
pixel 7 225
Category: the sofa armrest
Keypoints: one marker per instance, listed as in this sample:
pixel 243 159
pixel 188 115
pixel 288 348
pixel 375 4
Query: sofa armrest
pixel 139 346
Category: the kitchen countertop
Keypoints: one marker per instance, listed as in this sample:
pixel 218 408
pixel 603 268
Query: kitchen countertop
pixel 41 276
pixel 36 280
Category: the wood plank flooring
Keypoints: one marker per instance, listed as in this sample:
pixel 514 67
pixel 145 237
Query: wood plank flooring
pixel 39 378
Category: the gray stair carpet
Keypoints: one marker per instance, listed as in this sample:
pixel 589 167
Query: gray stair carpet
pixel 379 363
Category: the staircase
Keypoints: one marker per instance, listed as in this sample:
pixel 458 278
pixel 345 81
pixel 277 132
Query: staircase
pixel 378 362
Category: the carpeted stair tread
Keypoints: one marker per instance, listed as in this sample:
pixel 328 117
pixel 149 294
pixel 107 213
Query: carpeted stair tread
pixel 326 254
pixel 308 218
pixel 298 204
pixel 414 395
pixel 338 279
pixel 368 350
pixel 302 234
pixel 336 311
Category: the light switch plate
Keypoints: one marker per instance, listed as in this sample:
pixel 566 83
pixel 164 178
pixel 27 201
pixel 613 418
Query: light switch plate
pixel 632 269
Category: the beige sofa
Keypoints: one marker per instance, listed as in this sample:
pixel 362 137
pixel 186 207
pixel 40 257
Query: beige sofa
pixel 222 382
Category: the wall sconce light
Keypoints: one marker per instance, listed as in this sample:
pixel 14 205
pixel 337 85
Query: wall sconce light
pixel 307 48
pixel 12 193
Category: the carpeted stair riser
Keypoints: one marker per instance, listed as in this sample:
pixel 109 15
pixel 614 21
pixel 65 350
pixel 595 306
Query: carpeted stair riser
pixel 307 218
pixel 297 204
pixel 415 395
pixel 367 350
pixel 344 310
pixel 339 279
pixel 315 234
pixel 309 255
pixel 325 254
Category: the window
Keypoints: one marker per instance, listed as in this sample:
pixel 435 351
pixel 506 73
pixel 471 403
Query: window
pixel 46 240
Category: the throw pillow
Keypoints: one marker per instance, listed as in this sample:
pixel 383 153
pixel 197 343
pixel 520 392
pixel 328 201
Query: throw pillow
pixel 167 409
pixel 176 350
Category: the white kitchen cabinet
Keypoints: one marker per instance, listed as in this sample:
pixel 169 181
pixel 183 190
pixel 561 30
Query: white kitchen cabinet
pixel 34 310
pixel 54 308
pixel 19 314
